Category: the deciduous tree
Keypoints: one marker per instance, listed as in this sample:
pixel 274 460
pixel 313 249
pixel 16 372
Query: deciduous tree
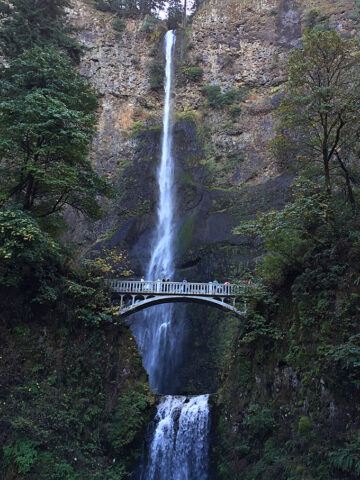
pixel 319 117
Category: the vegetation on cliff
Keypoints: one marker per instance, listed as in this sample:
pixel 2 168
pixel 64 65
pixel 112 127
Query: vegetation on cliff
pixel 74 398
pixel 289 399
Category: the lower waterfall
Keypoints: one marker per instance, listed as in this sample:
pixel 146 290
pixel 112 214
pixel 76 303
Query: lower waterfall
pixel 179 445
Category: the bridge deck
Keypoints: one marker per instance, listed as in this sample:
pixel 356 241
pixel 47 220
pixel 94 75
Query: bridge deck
pixel 175 288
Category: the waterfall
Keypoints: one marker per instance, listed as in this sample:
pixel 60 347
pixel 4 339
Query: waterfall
pixel 179 448
pixel 157 332
pixel 179 445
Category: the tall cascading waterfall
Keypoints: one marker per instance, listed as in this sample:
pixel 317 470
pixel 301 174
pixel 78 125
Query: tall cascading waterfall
pixel 157 332
pixel 178 449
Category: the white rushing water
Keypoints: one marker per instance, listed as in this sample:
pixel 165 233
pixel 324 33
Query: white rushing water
pixel 157 333
pixel 179 448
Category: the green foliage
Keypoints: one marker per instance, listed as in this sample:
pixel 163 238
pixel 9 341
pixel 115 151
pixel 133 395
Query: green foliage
pixel 30 259
pixel 130 8
pixel 153 26
pixel 137 128
pixel 259 422
pixel 305 426
pixel 316 21
pixel 318 118
pixel 32 23
pixel 235 111
pixel 217 99
pixel 118 24
pixel 287 233
pixel 194 74
pixel 46 125
pixel 156 76
pixel 347 357
pixel 354 16
pixel 187 116
pixel 175 14
pixel 23 454
pixel 347 459
pixel 22 330
pixel 129 419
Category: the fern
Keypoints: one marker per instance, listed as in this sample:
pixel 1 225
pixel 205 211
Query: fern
pixel 347 459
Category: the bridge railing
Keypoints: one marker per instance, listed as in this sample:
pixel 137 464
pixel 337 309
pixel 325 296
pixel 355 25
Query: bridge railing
pixel 174 288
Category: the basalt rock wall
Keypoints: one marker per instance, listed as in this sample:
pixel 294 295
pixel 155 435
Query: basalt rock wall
pixel 225 170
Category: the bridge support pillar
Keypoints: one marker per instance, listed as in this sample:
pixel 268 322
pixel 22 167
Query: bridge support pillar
pixel 121 300
pixel 133 299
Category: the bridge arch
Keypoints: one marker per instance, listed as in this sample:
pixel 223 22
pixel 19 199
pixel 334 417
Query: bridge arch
pixel 152 301
pixel 136 296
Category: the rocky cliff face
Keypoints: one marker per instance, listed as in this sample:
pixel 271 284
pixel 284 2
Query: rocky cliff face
pixel 226 172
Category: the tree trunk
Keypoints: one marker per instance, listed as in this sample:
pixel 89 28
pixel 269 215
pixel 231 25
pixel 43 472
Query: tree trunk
pixel 326 171
pixel 185 10
pixel 347 179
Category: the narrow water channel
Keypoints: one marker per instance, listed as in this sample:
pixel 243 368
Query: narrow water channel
pixel 178 448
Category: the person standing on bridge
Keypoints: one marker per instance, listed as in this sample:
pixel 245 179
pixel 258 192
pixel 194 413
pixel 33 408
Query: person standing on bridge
pixel 142 280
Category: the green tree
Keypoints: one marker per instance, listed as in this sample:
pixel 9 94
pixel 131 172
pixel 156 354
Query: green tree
pixel 29 258
pixel 319 116
pixel 46 124
pixel 31 23
pixel 130 8
pixel 175 14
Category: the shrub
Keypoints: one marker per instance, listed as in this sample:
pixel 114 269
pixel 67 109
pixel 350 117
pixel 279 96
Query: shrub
pixel 212 93
pixel 27 253
pixel 156 76
pixel 23 454
pixel 315 20
pixel 130 418
pixel 216 99
pixel 194 74
pixel 118 24
pixel 137 128
pixel 151 24
pixel 353 16
pixel 347 459
pixel 102 6
pixel 305 426
pixel 235 111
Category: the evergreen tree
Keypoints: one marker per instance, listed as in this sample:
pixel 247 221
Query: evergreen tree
pixel 31 23
pixel 46 124
pixel 130 8
pixel 175 14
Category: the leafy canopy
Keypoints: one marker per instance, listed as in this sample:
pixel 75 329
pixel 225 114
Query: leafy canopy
pixel 130 8
pixel 29 258
pixel 46 124
pixel 319 115
pixel 31 23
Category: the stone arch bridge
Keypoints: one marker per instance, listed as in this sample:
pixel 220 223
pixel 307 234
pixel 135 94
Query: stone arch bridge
pixel 134 296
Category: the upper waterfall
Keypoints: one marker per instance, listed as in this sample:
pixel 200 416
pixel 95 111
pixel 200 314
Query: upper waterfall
pixel 158 335
pixel 161 262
